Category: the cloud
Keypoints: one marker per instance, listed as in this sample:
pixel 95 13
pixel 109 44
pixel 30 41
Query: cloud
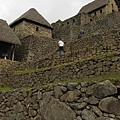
pixel 51 10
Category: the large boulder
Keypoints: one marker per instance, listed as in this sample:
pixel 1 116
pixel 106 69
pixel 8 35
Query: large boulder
pixel 110 105
pixel 53 109
pixel 104 89
pixel 88 115
pixel 70 96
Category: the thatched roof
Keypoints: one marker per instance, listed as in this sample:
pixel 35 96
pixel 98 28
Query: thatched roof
pixel 96 4
pixel 7 34
pixel 33 16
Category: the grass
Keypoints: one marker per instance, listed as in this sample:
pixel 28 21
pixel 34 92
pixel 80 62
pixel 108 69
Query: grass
pixel 6 88
pixel 24 71
pixel 113 77
pixel 109 54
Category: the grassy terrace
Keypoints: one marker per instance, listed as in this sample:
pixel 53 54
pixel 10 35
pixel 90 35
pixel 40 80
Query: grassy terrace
pixel 98 56
pixel 113 77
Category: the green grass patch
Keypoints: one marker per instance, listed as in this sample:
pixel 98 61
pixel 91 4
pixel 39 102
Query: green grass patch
pixel 6 88
pixel 109 54
pixel 23 71
pixel 113 77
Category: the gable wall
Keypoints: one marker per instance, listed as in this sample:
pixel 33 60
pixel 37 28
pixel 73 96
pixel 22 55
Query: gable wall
pixel 112 6
pixel 19 29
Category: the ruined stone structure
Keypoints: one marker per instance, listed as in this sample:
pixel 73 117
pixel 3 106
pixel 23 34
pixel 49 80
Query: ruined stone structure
pixel 91 19
pixel 38 77
pixel 31 27
pixel 97 9
pixel 96 17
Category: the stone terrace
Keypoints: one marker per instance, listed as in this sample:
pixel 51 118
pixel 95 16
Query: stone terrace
pixel 85 48
pixel 76 50
pixel 93 67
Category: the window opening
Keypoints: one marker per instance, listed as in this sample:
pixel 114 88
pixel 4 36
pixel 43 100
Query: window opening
pixel 91 20
pixel 100 11
pixel 95 13
pixel 37 28
pixel 73 20
pixel 14 29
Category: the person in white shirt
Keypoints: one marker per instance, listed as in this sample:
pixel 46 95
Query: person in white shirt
pixel 61 45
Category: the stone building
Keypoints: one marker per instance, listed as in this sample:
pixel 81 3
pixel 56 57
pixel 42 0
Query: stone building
pixel 97 9
pixel 8 41
pixel 31 23
pixel 33 30
pixel 86 19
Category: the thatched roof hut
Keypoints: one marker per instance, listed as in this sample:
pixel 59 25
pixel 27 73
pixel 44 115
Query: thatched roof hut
pixel 33 16
pixel 7 35
pixel 8 40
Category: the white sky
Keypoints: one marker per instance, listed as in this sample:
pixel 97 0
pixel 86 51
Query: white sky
pixel 51 10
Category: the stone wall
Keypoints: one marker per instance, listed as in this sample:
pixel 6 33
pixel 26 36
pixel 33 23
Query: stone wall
pixel 34 48
pixel 99 44
pixel 68 71
pixel 26 28
pixel 85 48
pixel 45 52
pixel 70 31
pixel 104 25
pixel 112 6
pixel 64 29
pixel 68 101
pixel 7 66
pixel 111 39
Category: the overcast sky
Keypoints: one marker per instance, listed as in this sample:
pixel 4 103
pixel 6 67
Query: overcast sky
pixel 51 10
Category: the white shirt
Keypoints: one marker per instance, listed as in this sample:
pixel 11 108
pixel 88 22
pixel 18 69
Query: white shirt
pixel 61 43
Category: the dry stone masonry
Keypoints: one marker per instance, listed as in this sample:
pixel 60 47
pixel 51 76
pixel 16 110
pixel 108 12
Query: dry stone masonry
pixel 77 70
pixel 71 31
pixel 68 101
